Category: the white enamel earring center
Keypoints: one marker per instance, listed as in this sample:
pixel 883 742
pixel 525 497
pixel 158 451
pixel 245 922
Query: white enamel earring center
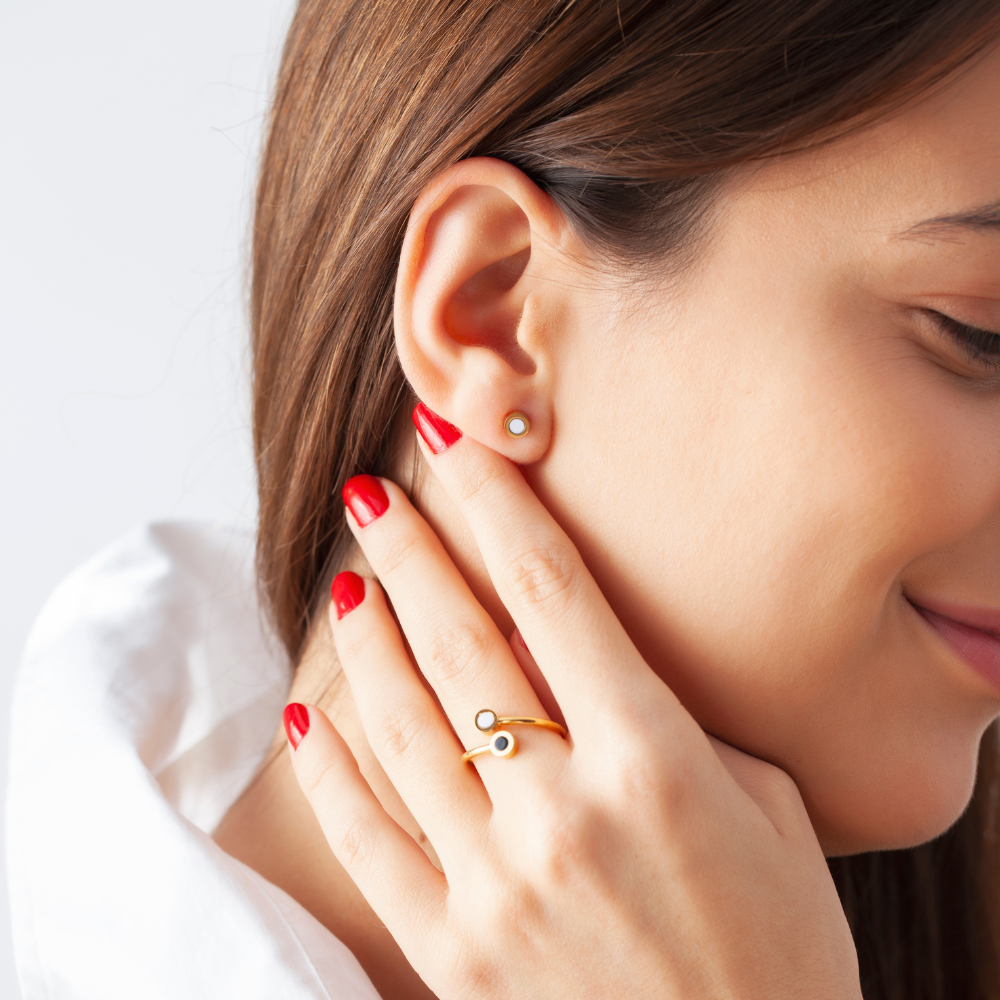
pixel 517 424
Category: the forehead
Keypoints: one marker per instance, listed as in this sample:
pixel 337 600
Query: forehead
pixel 937 158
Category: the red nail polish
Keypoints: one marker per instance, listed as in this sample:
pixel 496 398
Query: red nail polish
pixel 296 719
pixel 347 591
pixel 435 430
pixel 366 499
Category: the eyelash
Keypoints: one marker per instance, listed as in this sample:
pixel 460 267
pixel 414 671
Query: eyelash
pixel 981 345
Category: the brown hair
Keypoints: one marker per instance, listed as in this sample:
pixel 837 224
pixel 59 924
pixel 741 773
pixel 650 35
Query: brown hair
pixel 629 114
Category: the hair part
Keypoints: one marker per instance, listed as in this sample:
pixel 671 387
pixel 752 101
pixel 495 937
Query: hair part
pixel 630 115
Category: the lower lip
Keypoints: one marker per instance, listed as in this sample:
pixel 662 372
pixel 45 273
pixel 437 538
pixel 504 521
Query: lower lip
pixel 981 650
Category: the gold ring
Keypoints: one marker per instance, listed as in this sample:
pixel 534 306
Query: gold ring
pixel 502 743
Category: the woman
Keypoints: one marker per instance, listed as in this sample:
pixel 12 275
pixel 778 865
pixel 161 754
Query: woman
pixel 701 306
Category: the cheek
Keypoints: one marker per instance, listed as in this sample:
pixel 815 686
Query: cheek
pixel 749 520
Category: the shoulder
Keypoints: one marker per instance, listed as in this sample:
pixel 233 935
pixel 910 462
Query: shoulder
pixel 148 692
pixel 156 570
pixel 145 651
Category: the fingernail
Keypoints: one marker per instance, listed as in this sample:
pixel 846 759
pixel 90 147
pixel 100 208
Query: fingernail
pixel 296 719
pixel 436 431
pixel 521 640
pixel 365 498
pixel 347 591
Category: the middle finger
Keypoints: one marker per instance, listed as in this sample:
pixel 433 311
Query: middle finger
pixel 458 647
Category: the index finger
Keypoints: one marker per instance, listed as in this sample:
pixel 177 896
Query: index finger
pixel 572 631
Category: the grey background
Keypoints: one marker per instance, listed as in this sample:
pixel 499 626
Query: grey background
pixel 128 139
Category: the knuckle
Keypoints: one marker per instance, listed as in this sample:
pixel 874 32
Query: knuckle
pixel 643 778
pixel 480 483
pixel 358 842
pixel 354 644
pixel 542 574
pixel 664 782
pixel 458 650
pixel 474 976
pixel 561 840
pixel 398 730
pixel 680 782
pixel 395 552
pixel 322 772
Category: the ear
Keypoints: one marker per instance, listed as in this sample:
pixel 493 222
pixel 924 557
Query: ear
pixel 476 308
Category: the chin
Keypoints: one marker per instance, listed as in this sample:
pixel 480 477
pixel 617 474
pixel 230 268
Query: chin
pixel 906 809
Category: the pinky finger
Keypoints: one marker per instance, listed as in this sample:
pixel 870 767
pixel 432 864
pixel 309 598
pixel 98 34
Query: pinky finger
pixel 385 862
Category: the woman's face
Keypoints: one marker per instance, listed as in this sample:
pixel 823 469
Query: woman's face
pixel 772 462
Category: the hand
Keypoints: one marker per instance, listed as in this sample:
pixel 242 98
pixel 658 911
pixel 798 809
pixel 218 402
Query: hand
pixel 635 858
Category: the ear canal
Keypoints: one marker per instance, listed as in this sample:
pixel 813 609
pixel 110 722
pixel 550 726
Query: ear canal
pixel 485 312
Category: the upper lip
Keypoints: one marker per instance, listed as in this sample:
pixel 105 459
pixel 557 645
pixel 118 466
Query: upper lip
pixel 985 619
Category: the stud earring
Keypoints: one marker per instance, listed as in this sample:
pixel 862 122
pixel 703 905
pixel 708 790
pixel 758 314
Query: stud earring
pixel 517 424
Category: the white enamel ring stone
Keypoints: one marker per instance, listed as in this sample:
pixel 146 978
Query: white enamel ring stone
pixel 502 743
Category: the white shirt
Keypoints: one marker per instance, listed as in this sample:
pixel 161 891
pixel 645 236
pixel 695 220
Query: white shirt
pixel 149 691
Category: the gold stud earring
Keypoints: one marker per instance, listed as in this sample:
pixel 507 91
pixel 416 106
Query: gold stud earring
pixel 517 424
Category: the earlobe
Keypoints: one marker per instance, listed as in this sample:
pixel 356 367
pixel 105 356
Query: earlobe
pixel 474 308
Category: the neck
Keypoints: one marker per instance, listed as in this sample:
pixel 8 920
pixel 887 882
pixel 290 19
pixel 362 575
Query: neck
pixel 271 827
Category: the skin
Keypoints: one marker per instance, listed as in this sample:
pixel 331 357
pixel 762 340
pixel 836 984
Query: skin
pixel 764 461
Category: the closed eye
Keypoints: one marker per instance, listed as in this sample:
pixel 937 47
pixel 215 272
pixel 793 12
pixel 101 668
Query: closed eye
pixel 981 346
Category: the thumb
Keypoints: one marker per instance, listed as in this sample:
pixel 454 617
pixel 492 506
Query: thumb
pixel 772 789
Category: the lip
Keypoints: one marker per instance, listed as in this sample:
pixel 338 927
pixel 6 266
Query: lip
pixel 972 633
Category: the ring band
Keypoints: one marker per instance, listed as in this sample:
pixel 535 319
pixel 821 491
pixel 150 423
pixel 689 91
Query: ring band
pixel 502 743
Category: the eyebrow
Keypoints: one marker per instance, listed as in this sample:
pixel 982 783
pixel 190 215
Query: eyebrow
pixel 951 227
